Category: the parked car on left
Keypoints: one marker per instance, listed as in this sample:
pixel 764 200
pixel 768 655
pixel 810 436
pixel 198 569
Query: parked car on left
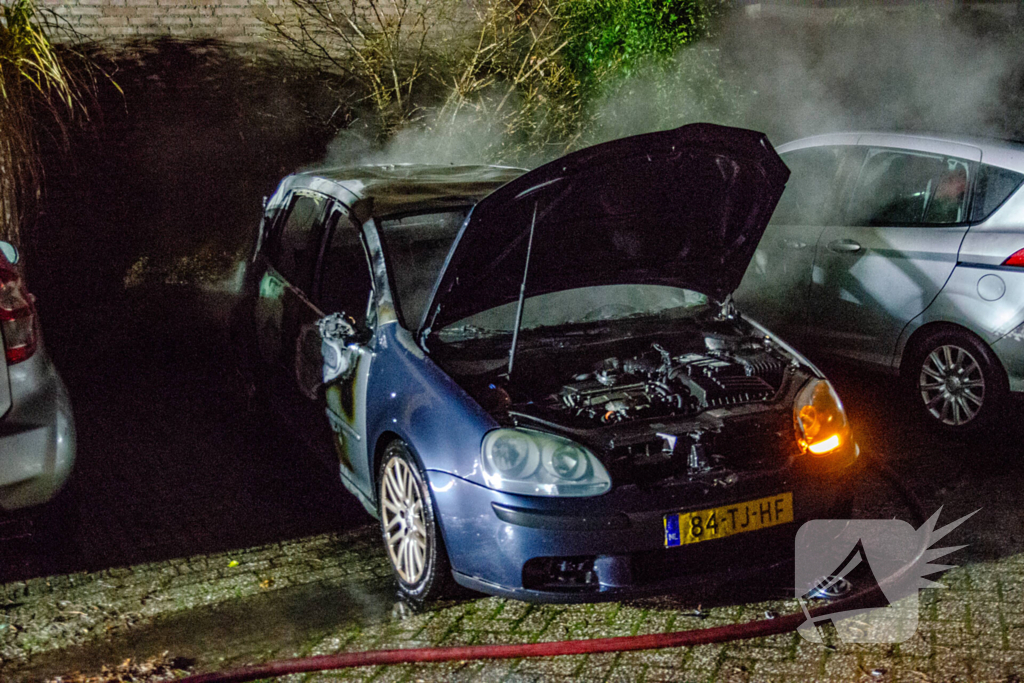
pixel 37 429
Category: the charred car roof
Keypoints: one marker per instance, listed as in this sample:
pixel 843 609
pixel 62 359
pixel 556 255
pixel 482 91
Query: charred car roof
pixel 388 189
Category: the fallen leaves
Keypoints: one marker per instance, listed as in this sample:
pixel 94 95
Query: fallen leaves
pixel 161 667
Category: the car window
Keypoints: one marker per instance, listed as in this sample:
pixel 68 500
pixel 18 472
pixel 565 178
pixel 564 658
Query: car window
pixel 900 188
pixel 296 252
pixel 345 282
pixel 993 187
pixel 416 248
pixel 809 197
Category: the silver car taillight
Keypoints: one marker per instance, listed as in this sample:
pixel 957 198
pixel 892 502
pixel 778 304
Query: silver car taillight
pixel 17 316
pixel 1015 259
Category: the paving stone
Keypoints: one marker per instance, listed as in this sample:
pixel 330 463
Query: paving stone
pixel 657 675
pixel 972 630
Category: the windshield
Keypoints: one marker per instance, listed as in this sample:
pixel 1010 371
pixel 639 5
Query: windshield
pixel 416 247
pixel 545 312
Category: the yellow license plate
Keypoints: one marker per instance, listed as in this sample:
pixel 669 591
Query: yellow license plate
pixel 705 525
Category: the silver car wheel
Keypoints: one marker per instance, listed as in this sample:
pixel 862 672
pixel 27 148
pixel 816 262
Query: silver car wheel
pixel 952 385
pixel 405 525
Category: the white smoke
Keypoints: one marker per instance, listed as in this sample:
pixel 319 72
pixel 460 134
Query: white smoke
pixel 917 68
pixel 786 71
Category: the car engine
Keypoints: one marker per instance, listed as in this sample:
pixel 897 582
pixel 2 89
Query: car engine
pixel 659 383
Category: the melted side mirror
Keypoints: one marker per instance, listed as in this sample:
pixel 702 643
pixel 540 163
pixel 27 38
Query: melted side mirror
pixel 339 345
pixel 9 252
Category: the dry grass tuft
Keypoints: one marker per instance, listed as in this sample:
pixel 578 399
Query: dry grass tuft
pixel 33 77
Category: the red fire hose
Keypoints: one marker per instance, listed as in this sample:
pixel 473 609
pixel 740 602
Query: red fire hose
pixel 704 636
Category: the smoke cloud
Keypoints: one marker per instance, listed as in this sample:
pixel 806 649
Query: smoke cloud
pixel 469 137
pixel 913 68
pixel 784 69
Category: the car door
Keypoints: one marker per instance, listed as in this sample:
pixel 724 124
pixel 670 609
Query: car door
pixel 342 290
pixel 896 247
pixel 775 286
pixel 284 308
pixel 291 251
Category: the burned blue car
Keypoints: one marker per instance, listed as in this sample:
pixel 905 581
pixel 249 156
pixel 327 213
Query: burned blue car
pixel 537 381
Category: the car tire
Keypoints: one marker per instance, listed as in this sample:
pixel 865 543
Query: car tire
pixel 409 529
pixel 955 381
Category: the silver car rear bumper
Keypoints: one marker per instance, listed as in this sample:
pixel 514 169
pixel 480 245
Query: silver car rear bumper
pixel 37 435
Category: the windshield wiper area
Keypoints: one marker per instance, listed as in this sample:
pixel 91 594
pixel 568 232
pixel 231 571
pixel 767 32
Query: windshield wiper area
pixel 573 329
pixel 467 332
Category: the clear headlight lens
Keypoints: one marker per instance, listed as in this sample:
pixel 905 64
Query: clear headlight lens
pixel 539 464
pixel 819 418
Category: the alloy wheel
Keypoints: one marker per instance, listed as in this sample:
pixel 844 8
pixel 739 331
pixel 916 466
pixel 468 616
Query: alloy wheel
pixel 404 521
pixel 830 588
pixel 952 385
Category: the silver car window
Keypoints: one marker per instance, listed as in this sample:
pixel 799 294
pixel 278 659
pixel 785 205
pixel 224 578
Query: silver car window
pixel 809 198
pixel 902 188
pixel 993 187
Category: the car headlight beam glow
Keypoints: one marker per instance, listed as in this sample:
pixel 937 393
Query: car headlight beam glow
pixel 819 419
pixel 540 464
pixel 825 446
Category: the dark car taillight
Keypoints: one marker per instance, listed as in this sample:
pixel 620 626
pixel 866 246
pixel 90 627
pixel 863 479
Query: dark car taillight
pixel 17 316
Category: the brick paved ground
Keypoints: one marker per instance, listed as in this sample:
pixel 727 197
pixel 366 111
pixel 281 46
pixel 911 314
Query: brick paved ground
pixel 971 631
pixel 204 536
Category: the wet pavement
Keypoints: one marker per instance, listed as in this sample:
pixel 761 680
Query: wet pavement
pixel 173 459
pixel 265 624
pixel 205 532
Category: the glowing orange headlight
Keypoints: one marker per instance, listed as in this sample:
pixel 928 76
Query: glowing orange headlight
pixel 819 419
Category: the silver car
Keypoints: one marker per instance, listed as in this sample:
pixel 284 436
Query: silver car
pixel 37 430
pixel 906 253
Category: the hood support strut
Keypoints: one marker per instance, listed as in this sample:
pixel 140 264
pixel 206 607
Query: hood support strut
pixel 522 295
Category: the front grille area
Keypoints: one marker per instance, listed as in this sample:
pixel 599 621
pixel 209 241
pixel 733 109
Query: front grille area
pixel 716 559
pixel 755 444
pixel 764 442
pixel 561 574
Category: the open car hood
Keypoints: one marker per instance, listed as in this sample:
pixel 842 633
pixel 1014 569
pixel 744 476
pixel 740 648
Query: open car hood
pixel 683 207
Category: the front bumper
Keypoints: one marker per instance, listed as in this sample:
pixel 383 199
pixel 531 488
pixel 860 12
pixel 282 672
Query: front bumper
pixel 37 435
pixel 613 546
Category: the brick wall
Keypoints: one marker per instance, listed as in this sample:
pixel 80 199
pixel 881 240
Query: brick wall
pixel 238 20
pixel 119 20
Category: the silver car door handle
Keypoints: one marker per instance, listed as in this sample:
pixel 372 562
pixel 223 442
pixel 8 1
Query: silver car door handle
pixel 844 245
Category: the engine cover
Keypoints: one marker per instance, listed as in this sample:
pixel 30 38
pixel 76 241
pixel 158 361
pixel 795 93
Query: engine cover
pixel 660 383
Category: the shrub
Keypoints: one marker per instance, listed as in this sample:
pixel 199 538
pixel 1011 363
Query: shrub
pixel 388 47
pixel 518 77
pixel 421 63
pixel 32 75
pixel 618 37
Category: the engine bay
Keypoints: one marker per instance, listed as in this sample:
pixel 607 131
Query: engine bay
pixel 659 383
pixel 627 404
pixel 652 405
pixel 587 384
